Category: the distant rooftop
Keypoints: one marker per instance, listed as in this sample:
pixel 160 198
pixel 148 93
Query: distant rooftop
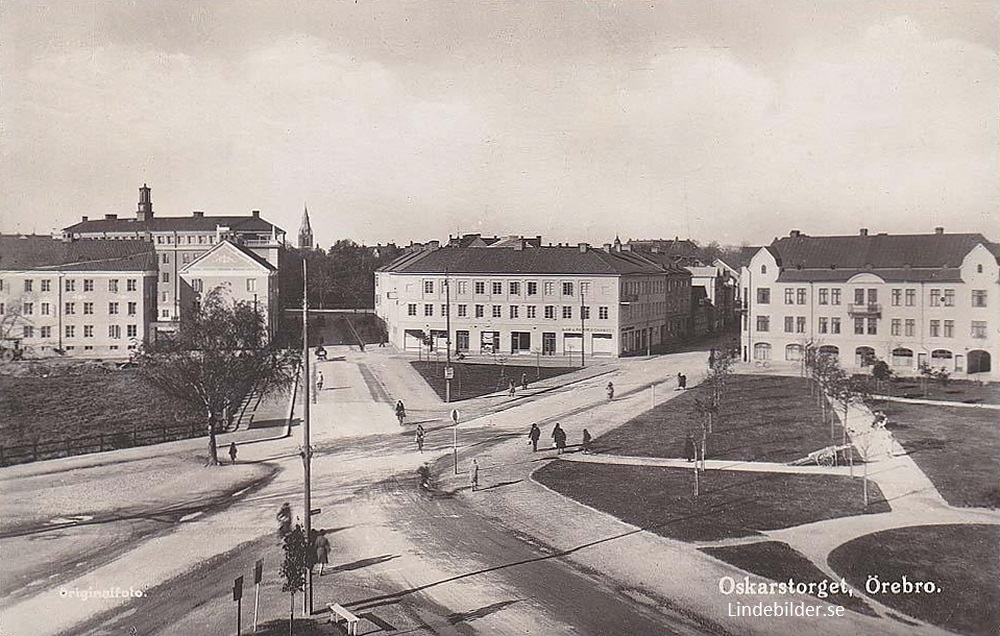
pixel 34 252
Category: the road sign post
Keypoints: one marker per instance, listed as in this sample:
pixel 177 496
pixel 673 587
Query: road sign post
pixel 238 597
pixel 258 575
pixel 454 439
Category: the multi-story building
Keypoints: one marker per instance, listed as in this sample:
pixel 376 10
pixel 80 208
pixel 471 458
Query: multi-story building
pixel 178 241
pixel 911 300
pixel 85 298
pixel 516 297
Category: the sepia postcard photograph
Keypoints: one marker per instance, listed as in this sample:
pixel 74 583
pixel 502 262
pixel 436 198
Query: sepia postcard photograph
pixel 499 317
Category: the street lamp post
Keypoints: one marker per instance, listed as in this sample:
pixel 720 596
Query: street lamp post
pixel 306 449
pixel 447 339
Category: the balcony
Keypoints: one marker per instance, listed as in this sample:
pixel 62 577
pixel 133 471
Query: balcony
pixel 866 309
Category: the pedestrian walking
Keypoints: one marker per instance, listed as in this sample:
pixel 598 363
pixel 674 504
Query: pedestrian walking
pixel 524 381
pixel 319 380
pixel 322 547
pixel 512 388
pixel 419 438
pixel 586 442
pixel 611 391
pixel 682 382
pixel 474 475
pixel 400 412
pixel 284 518
pixel 689 448
pixel 232 452
pixel 559 437
pixel 533 435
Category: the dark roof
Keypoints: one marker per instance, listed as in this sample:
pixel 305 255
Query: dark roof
pixel 542 260
pixel 668 262
pixel 45 253
pixel 174 224
pixel 676 246
pixel 904 257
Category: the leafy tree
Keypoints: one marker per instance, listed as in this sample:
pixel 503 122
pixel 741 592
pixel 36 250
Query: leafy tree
pixel 881 372
pixel 294 567
pixel 219 355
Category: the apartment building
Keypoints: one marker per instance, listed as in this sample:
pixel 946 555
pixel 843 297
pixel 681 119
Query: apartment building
pixel 911 300
pixel 91 299
pixel 179 241
pixel 516 297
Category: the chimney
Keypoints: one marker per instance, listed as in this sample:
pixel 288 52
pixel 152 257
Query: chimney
pixel 538 240
pixel 198 214
pixel 519 246
pixel 939 230
pixel 144 212
pixel 796 233
pixel 110 217
pixel 607 247
pixel 255 213
pixel 84 218
pixel 583 247
pixel 864 231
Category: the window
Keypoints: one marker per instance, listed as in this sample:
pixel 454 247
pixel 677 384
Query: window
pixel 28 283
pixel 585 312
pixel 132 308
pixel 411 309
pixel 88 331
pixel 28 309
pixel 114 332
pixel 463 287
pixel 428 287
pixel 88 309
pixel 935 298
pixel 585 288
pixel 949 298
pixel 602 313
pixel 897 297
pixel 789 296
pixel 763 269
pixel 251 284
pixel 480 311
pixel 567 289
pixel 70 309
pixel 70 331
pixel 480 287
pixel 764 295
pixel 859 296
pixel 800 324
pixel 872 296
pixel 70 285
pixel 835 296
pixel 824 296
pixel 165 296
pixel 514 311
pixel 910 326
pixel 166 277
pixel 911 297
pixel 497 288
pixel 935 329
pixel 532 289
pixel 444 309
pixel 514 288
pixel 824 325
pixel 789 324
pixel 428 309
pixel 131 284
pixel 550 312
pixel 88 284
pixel 873 326
pixel 497 311
pixel 197 285
pixel 113 285
pixel 46 332
pixel 164 313
pixel 131 331
pixel 949 328
pixel 550 288
pixel 859 326
pixel 46 285
pixel 763 323
pixel 978 297
pixel 979 269
pixel 800 296
pixel 896 327
pixel 463 311
pixel 28 331
pixel 112 309
pixel 532 311
pixel 567 311
pixel 835 325
pixel 46 309
pixel 978 329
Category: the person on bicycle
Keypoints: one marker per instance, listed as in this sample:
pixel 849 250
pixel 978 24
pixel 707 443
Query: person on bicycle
pixel 611 391
pixel 419 438
pixel 400 412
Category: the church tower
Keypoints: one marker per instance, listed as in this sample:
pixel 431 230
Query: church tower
pixel 305 231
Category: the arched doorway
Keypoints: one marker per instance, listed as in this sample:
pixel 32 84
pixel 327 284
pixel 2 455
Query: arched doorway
pixel 762 351
pixel 902 357
pixel 829 350
pixel 793 352
pixel 979 361
pixel 864 356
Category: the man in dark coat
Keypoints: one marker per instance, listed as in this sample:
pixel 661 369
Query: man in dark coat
pixel 322 546
pixel 559 437
pixel 533 435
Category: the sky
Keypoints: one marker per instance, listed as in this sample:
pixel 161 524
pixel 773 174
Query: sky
pixel 732 121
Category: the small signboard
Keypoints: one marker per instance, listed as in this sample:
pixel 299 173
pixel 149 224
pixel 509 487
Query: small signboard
pixel 258 572
pixel 315 511
pixel 449 373
pixel 238 588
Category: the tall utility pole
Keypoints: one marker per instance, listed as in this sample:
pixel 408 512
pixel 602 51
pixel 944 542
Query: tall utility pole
pixel 583 334
pixel 306 448
pixel 447 338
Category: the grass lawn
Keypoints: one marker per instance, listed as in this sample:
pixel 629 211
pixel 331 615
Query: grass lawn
pixel 763 418
pixel 473 379
pixel 954 391
pixel 961 560
pixel 731 504
pixel 68 406
pixel 778 561
pixel 956 447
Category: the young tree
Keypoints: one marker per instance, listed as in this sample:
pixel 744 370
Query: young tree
pixel 294 567
pixel 219 355
pixel 881 372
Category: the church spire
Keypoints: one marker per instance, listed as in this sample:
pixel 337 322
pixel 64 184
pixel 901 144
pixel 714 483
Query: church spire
pixel 305 231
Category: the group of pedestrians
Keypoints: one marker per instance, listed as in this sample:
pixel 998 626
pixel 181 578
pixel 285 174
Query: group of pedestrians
pixel 558 439
pixel 512 386
pixel 319 545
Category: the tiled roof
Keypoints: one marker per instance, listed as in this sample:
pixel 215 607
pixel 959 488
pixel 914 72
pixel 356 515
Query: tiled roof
pixel 904 257
pixel 174 224
pixel 542 260
pixel 666 261
pixel 34 252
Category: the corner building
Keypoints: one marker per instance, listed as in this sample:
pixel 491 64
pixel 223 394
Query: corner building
pixel 911 300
